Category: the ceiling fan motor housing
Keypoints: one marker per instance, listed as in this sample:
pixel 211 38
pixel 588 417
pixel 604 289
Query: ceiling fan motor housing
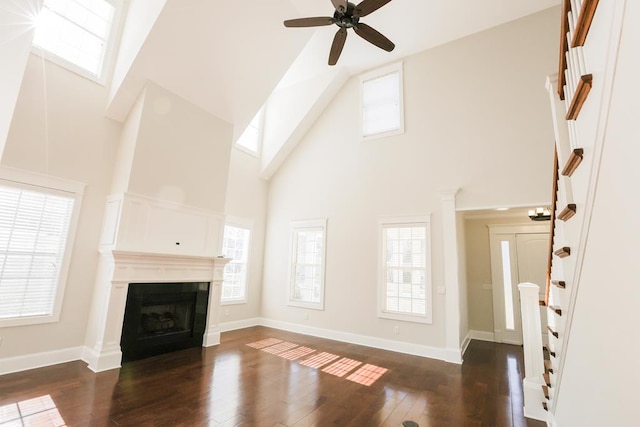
pixel 346 19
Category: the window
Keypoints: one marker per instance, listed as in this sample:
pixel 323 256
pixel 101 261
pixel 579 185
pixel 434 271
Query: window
pixel 506 282
pixel 307 264
pixel 405 269
pixel 77 32
pixel 382 102
pixel 36 234
pixel 249 141
pixel 235 245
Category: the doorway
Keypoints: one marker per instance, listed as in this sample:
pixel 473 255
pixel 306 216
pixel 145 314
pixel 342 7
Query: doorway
pixel 518 254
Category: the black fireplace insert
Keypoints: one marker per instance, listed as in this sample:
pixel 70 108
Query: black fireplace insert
pixel 163 317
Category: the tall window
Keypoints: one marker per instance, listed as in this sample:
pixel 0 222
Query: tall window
pixel 382 102
pixel 77 31
pixel 405 270
pixel 307 264
pixel 235 246
pixel 35 242
pixel 250 139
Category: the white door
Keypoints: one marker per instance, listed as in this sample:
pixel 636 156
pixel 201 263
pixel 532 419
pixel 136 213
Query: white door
pixel 518 254
pixel 533 256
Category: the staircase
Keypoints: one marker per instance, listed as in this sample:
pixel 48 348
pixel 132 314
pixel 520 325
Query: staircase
pixel 579 111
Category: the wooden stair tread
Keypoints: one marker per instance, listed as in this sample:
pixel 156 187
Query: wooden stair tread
pixel 559 283
pixel 568 212
pixel 548 350
pixel 547 379
pixel 548 366
pixel 573 162
pixel 580 96
pixel 545 391
pixel 554 333
pixel 563 252
pixel 556 309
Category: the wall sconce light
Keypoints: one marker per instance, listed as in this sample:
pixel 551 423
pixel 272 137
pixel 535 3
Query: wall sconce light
pixel 540 214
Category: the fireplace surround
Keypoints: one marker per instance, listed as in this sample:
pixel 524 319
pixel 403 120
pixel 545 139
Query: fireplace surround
pixel 146 240
pixel 118 270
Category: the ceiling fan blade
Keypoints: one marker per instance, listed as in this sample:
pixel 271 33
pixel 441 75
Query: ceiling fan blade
pixel 374 37
pixel 340 5
pixel 338 43
pixel 310 22
pixel 367 6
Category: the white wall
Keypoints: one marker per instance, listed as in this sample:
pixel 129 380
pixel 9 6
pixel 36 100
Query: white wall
pixel 467 126
pixel 600 372
pixel 16 35
pixel 59 129
pixel 181 153
pixel 290 112
pixel 139 16
pixel 246 199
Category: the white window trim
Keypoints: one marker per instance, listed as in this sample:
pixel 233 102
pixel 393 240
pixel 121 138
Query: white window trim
pixel 379 72
pixel 49 184
pixel 403 220
pixel 248 224
pixel 302 225
pixel 109 52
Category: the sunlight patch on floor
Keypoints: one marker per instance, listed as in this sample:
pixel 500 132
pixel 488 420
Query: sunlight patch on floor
pixel 40 411
pixel 366 375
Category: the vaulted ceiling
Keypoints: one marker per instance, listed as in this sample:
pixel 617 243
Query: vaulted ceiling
pixel 228 57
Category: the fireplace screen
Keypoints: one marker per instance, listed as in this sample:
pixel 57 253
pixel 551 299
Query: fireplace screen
pixel 163 317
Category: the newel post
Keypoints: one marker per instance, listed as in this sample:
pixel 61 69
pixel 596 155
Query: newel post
pixel 533 355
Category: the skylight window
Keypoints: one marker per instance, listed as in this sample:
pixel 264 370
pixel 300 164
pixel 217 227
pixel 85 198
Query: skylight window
pixel 76 32
pixel 250 139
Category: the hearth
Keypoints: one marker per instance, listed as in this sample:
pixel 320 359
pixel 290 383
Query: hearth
pixel 163 317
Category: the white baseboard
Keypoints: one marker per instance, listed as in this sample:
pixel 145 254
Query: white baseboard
pixel 482 336
pixel 465 345
pixel 381 343
pixel 239 324
pixel 111 359
pixel 106 360
pixel 38 360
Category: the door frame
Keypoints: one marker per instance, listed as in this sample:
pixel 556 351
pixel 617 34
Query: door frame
pixel 498 232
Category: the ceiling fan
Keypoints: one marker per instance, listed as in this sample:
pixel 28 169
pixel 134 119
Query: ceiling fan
pixel 347 15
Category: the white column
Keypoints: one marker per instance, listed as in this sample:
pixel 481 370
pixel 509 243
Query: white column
pixel 533 356
pixel 16 35
pixel 212 333
pixel 451 281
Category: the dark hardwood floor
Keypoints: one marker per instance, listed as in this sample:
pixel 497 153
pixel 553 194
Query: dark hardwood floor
pixel 236 384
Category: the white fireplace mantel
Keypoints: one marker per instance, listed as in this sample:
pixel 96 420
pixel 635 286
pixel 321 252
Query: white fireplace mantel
pixel 116 270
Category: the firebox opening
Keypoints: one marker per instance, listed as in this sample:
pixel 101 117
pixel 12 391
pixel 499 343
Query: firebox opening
pixel 163 317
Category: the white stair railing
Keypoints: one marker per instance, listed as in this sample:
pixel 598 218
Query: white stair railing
pixel 533 354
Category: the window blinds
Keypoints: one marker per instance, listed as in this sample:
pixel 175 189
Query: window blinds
pixel 33 235
pixel 381 104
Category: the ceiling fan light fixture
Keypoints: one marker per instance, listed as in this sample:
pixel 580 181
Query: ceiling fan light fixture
pixel 540 214
pixel 347 15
